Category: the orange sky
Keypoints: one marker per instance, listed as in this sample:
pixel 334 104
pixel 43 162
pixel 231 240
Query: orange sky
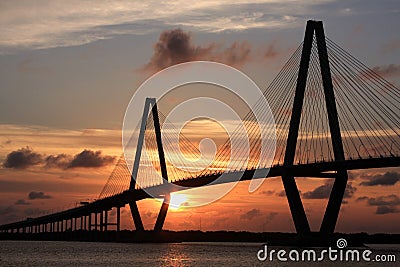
pixel 263 210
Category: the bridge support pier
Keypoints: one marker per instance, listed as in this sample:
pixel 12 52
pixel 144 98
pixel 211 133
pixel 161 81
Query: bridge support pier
pixel 150 103
pixel 105 220
pixel 101 221
pixel 163 213
pixel 136 216
pixel 295 204
pixel 335 201
pixel 292 193
pixel 118 220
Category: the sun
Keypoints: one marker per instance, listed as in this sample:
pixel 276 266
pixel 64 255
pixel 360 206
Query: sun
pixel 177 200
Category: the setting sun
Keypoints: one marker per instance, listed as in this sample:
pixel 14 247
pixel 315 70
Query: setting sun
pixel 177 200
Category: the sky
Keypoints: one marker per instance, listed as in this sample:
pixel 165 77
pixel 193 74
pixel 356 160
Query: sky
pixel 68 70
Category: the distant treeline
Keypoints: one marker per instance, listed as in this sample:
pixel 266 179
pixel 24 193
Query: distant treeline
pixel 274 238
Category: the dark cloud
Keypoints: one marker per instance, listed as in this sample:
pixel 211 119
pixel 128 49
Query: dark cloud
pixel 22 158
pixel 22 202
pixel 386 210
pixel 61 161
pixel 176 46
pixel 350 190
pixel 389 178
pixel 391 200
pixel 362 198
pixel 25 158
pixel 251 214
pixel 320 192
pixel 384 204
pixel 351 175
pixel 267 192
pixel 88 158
pixel 324 191
pixel 281 193
pixel 173 47
pixel 38 195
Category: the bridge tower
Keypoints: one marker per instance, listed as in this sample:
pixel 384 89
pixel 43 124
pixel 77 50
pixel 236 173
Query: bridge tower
pixel 289 183
pixel 150 103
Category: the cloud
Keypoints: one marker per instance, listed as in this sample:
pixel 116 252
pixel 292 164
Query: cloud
pixel 89 159
pixel 391 200
pixel 386 210
pixel 38 195
pixel 22 202
pixel 281 194
pixel 251 214
pixel 389 178
pixel 350 190
pixel 267 192
pixel 61 161
pixel 362 198
pixel 70 23
pixel 391 70
pixel 22 158
pixel 324 191
pixel 384 204
pixel 176 46
pixel 25 157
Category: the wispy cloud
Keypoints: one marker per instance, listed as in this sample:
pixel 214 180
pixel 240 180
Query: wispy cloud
pixel 45 24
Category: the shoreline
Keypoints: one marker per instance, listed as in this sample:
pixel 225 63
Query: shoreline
pixel 270 238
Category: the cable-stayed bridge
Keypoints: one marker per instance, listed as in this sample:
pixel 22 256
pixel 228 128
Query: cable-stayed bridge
pixel 333 114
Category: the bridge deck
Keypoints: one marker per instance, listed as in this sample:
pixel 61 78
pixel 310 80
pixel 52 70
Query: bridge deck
pixel 318 169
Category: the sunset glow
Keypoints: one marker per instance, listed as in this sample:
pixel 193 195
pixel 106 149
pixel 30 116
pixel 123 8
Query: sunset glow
pixel 177 199
pixel 69 68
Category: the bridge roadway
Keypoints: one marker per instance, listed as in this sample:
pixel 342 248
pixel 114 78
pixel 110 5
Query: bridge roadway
pixel 318 170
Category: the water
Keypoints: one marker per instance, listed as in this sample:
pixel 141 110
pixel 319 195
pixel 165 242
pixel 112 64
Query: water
pixel 54 253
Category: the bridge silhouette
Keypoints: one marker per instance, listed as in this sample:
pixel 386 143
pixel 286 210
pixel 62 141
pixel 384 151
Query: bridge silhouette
pixel 333 114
